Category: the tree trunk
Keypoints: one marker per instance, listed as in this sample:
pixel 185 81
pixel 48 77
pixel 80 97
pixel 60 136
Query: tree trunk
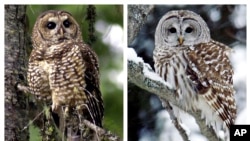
pixel 16 116
pixel 137 16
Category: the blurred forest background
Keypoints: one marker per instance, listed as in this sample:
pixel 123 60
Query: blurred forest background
pixel 107 42
pixel 147 120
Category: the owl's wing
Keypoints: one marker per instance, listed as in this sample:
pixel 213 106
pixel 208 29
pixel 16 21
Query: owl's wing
pixel 37 77
pixel 210 70
pixel 92 89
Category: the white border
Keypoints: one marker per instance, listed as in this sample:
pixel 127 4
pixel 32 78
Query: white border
pixel 2 123
pixel 125 84
pixel 125 3
pixel 248 65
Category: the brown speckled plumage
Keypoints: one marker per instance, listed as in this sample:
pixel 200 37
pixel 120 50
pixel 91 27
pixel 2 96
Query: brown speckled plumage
pixel 63 70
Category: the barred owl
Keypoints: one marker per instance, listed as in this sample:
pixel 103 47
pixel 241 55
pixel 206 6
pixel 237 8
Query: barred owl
pixel 198 67
pixel 63 71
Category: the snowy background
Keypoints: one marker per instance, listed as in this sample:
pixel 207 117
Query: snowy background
pixel 147 120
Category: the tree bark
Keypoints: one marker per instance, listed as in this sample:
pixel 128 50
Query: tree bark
pixel 137 16
pixel 16 117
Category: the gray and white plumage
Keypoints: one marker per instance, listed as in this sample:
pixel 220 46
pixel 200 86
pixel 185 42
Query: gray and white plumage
pixel 198 67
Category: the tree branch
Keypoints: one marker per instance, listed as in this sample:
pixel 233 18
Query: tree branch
pixel 176 123
pixel 101 132
pixel 142 75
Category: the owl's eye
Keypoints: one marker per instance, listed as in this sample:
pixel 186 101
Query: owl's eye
pixel 51 25
pixel 66 23
pixel 189 30
pixel 172 30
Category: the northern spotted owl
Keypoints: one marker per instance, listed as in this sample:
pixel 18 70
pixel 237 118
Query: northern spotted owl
pixel 197 66
pixel 63 71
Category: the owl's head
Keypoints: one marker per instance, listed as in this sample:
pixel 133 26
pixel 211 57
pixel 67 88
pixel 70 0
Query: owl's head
pixel 53 27
pixel 181 28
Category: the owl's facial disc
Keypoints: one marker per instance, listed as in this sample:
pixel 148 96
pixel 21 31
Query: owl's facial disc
pixel 60 29
pixel 180 31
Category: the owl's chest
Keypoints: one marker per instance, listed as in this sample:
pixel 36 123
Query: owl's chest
pixel 55 52
pixel 65 74
pixel 173 66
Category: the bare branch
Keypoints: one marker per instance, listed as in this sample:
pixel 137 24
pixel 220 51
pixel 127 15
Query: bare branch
pixel 144 77
pixel 176 123
pixel 101 132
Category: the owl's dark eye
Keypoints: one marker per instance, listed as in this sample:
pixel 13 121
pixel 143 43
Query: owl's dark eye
pixel 189 30
pixel 51 25
pixel 66 23
pixel 172 30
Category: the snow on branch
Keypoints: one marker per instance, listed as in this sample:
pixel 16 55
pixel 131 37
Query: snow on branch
pixel 143 76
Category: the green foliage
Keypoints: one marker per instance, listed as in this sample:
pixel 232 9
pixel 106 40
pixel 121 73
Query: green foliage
pixel 111 62
pixel 34 133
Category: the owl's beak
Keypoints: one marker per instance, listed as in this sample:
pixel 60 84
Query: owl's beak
pixel 61 32
pixel 180 39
